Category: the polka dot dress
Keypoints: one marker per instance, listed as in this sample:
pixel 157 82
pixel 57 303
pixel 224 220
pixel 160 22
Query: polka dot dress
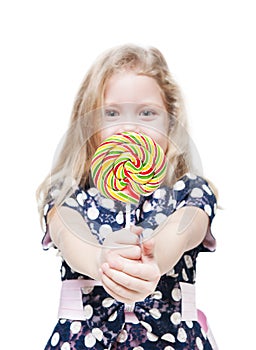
pixel 160 322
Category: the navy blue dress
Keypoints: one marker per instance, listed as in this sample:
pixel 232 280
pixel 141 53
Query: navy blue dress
pixel 161 324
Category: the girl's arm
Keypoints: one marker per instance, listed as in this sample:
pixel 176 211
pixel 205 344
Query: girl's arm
pixel 66 226
pixel 183 230
pixel 81 250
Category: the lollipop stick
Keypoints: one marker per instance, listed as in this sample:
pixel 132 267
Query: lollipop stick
pixel 128 216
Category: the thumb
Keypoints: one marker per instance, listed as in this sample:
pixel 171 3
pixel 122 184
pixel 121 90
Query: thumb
pixel 137 230
pixel 148 250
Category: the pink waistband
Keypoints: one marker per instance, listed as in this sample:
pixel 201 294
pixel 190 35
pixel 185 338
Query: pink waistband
pixel 71 304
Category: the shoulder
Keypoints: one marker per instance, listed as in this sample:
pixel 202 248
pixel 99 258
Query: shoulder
pixel 190 181
pixel 194 190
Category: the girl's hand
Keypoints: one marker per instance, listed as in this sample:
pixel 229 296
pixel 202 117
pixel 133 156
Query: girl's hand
pixel 123 243
pixel 129 280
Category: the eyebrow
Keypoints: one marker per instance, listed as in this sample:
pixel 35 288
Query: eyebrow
pixel 140 105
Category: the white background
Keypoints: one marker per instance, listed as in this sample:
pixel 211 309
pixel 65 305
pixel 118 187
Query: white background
pixel 46 48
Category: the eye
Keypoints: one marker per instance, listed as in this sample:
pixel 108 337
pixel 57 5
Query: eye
pixel 111 113
pixel 147 113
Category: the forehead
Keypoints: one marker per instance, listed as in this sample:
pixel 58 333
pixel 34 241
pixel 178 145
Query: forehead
pixel 129 87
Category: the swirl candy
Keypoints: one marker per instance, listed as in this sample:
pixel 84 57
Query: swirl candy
pixel 127 165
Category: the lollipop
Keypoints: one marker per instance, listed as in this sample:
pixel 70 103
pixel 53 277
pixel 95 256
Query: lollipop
pixel 127 165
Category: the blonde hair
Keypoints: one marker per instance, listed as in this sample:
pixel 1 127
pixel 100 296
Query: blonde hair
pixel 82 138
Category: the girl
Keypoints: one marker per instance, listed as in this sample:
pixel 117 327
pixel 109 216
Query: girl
pixel 120 291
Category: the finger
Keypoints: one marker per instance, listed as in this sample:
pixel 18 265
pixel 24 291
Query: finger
pixel 123 284
pixel 136 229
pixel 148 250
pixel 135 269
pixel 122 237
pixel 133 253
pixel 113 289
pixel 119 262
pixel 114 257
pixel 129 237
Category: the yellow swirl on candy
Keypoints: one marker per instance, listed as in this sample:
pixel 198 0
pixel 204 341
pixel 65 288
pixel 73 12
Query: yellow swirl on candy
pixel 127 165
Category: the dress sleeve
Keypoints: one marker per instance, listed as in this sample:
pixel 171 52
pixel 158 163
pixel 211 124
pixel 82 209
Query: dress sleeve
pixel 74 201
pixel 46 241
pixel 192 190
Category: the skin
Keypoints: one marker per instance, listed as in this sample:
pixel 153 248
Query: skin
pixel 134 103
pixel 129 270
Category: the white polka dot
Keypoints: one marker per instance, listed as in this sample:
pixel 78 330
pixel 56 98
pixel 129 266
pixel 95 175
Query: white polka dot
pixel 138 348
pixel 120 218
pixel 199 344
pixel 155 313
pixel 105 230
pixel 63 271
pixel 194 275
pixel 176 294
pixel 203 333
pixel 92 213
pixel 215 208
pixel 138 214
pixel 191 176
pixel 88 311
pixel 175 318
pixel 87 290
pixel 107 203
pixel 160 217
pixel 122 336
pixel 181 204
pixel 184 275
pixel 93 191
pixel 189 324
pixel 179 185
pixel 65 346
pixel 172 202
pixel 55 339
pixel 159 193
pixel 152 337
pixel 63 320
pixel 89 340
pixel 168 337
pixel 208 209
pixel 157 295
pixel 168 347
pixel 188 261
pixel 44 227
pixel 182 335
pixel 107 302
pixel 81 197
pixel 97 333
pixel 207 189
pixel 147 326
pixel 172 273
pixel 75 327
pixel 113 317
pixel 71 202
pixel 147 207
pixel 197 193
